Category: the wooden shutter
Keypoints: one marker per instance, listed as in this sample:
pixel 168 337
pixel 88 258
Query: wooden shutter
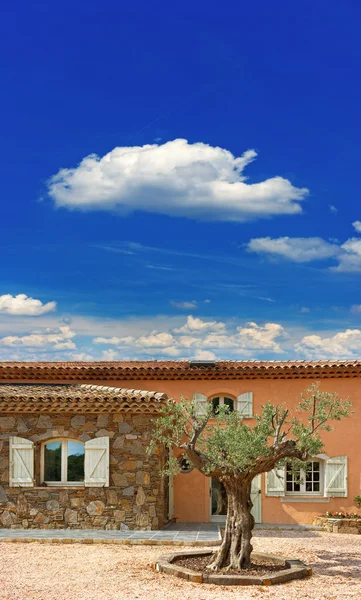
pixel 201 403
pixel 21 462
pixel 275 482
pixel 245 404
pixel 96 466
pixel 336 476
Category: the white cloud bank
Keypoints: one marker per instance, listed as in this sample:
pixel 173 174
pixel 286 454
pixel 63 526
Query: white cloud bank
pixel 345 344
pixel 54 339
pixel 201 339
pixel 304 250
pixel 176 178
pixel 24 305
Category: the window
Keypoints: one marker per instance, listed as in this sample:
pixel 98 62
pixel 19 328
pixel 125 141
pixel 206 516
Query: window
pixel 222 401
pixel 63 462
pixel 184 464
pixel 304 481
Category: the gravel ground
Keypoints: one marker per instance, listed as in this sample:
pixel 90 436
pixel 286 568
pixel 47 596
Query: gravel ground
pixel 104 572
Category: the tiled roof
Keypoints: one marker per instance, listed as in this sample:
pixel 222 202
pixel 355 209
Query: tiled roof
pixel 176 370
pixel 29 398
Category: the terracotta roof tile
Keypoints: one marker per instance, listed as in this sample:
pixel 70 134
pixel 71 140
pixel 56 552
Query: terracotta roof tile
pixel 76 398
pixel 176 370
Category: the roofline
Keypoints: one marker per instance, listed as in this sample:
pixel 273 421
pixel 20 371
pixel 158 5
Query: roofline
pixel 176 370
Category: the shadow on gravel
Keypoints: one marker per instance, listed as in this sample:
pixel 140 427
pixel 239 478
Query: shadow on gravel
pixel 330 564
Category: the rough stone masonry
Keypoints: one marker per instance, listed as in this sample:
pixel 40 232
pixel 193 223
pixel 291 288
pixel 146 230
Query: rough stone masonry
pixel 136 498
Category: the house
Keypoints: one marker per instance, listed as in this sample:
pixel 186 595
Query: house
pixel 73 440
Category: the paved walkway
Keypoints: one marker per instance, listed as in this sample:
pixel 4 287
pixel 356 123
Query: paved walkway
pixel 197 534
pixel 175 534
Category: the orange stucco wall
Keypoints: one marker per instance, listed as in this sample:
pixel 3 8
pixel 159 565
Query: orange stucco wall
pixel 191 491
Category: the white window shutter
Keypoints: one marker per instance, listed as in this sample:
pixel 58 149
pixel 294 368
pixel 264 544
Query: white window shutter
pixel 21 462
pixel 275 482
pixel 96 465
pixel 245 404
pixel 336 476
pixel 201 403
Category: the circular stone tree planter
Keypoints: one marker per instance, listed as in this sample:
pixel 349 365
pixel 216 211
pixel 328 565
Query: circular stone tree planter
pixel 292 569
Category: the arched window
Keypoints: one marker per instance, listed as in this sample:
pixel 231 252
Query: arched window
pixel 62 462
pixel 222 401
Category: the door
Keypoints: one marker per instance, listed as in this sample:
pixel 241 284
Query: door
pixel 218 499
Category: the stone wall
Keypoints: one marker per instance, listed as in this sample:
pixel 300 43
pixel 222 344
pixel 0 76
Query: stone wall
pixel 136 498
pixel 334 525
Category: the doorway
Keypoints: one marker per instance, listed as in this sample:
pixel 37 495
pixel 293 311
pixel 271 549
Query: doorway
pixel 218 500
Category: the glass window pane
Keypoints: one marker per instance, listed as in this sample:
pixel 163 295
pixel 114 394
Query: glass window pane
pixel 75 461
pixel 316 477
pixel 316 486
pixel 52 461
pixel 308 487
pixel 308 476
pixel 296 487
pixel 229 402
pixel 316 466
pixel 215 404
pixel 289 486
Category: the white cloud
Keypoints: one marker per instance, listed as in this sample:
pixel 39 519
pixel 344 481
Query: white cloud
pixel 176 178
pixel 195 325
pixel 304 309
pixel 296 249
pixel 187 305
pixel 356 308
pixel 201 336
pixel 333 208
pixel 357 226
pixel 303 250
pixel 204 355
pixel 256 337
pixel 55 339
pixel 155 340
pixel 345 344
pixel 350 257
pixel 24 305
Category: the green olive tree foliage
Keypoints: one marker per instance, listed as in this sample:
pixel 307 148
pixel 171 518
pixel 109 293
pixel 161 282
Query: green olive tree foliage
pixel 225 447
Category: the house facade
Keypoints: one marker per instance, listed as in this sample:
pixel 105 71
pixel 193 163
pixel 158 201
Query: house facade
pixel 73 441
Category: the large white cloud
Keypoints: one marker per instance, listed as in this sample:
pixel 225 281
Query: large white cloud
pixel 54 339
pixel 24 305
pixel 296 249
pixel 345 344
pixel 256 337
pixel 176 178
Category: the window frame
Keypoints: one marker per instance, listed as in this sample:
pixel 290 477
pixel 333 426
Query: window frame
pixel 64 463
pixel 302 491
pixel 221 400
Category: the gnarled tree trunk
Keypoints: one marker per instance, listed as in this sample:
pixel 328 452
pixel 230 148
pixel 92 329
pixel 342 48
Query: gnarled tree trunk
pixel 235 550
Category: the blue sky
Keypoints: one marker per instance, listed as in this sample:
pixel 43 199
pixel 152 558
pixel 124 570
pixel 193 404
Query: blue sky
pixel 180 181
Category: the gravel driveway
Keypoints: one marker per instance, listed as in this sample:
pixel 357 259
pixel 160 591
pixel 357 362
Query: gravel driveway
pixel 104 572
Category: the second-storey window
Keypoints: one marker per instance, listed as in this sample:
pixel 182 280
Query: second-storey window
pixel 304 481
pixel 63 462
pixel 222 401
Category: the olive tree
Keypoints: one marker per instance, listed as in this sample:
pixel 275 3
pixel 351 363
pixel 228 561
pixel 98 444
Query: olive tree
pixel 222 445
